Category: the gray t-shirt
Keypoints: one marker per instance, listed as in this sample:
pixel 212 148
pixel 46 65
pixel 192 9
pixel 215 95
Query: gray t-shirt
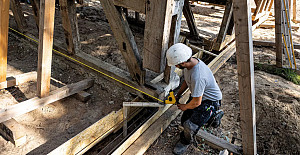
pixel 201 82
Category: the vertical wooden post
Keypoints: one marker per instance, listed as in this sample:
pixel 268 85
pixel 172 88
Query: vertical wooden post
pixel 4 16
pixel 188 14
pixel 224 26
pixel 46 27
pixel 158 15
pixel 125 40
pixel 125 117
pixel 244 51
pixel 70 25
pixel 278 33
pixel 294 11
pixel 36 9
pixel 18 15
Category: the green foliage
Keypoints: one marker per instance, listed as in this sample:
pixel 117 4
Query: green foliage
pixel 288 74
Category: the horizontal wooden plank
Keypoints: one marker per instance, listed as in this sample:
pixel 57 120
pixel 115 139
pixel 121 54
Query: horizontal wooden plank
pixel 217 142
pixel 34 103
pixel 270 44
pixel 136 5
pixel 141 140
pixel 142 104
pixel 90 136
pixel 18 79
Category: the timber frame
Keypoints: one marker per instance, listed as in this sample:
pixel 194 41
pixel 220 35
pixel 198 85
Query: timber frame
pixel 165 17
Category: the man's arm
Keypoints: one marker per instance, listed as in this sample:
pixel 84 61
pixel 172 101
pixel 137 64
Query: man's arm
pixel 195 102
pixel 182 88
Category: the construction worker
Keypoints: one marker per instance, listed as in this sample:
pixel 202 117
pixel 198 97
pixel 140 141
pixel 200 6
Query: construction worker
pixel 203 106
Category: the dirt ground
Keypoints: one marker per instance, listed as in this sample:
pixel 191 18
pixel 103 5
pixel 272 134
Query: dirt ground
pixel 277 100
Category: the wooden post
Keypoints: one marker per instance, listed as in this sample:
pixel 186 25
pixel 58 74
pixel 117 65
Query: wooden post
pixel 278 33
pixel 4 16
pixel 70 25
pixel 18 15
pixel 125 40
pixel 189 16
pixel 36 9
pixel 46 27
pixel 125 115
pixel 224 26
pixel 244 50
pixel 158 15
pixel 294 11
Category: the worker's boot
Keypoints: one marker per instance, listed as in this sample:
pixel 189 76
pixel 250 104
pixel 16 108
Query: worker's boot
pixel 180 148
pixel 217 118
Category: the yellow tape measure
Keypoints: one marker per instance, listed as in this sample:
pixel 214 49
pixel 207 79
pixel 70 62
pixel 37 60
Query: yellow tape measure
pixel 91 68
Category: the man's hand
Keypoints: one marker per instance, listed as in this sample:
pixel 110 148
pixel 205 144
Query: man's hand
pixel 182 107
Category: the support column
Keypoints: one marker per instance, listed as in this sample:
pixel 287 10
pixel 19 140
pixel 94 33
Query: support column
pixel 35 4
pixel 189 16
pixel 18 15
pixel 278 33
pixel 158 16
pixel 46 27
pixel 70 25
pixel 244 52
pixel 125 40
pixel 4 16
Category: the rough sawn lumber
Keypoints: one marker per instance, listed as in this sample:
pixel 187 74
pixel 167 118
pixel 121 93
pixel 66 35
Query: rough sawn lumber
pixel 34 103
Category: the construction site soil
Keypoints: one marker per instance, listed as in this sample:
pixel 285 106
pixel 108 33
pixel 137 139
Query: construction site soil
pixel 277 101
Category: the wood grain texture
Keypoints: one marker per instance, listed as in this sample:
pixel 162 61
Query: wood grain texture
pixel 158 16
pixel 244 52
pixel 19 79
pixel 136 5
pixel 4 16
pixel 125 40
pixel 46 28
pixel 18 15
pixel 91 135
pixel 34 103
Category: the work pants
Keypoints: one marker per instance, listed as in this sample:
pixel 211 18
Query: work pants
pixel 193 119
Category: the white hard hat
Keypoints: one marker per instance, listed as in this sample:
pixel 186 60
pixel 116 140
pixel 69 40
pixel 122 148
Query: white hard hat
pixel 178 53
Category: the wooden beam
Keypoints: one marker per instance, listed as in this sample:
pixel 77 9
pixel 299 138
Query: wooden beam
pixel 35 4
pixel 18 79
pixel 108 69
pixel 45 46
pixel 141 140
pixel 141 130
pixel 70 25
pixel 158 15
pixel 278 33
pixel 224 26
pixel 4 16
pixel 244 48
pixel 83 96
pixel 103 68
pixel 189 16
pixel 142 104
pixel 91 135
pixel 294 10
pixel 135 5
pixel 18 15
pixel 34 103
pixel 141 145
pixel 167 117
pixel 217 62
pixel 270 44
pixel 272 25
pixel 13 131
pixel 217 142
pixel 125 40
